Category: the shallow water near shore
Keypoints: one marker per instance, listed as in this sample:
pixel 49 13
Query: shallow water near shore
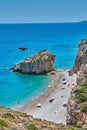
pixel 15 92
pixel 60 39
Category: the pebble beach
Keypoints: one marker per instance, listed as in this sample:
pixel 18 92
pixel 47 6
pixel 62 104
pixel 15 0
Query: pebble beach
pixel 55 110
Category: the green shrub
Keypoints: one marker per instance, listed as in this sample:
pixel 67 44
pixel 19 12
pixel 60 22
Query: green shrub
pixel 70 128
pixel 79 90
pixel 3 123
pixel 81 97
pixel 8 115
pixel 32 127
pixel 78 126
pixel 84 108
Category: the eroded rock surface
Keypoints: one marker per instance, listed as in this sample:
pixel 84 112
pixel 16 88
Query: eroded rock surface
pixel 82 74
pixel 77 106
pixel 81 57
pixel 39 63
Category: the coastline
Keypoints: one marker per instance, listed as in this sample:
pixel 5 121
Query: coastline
pixel 55 111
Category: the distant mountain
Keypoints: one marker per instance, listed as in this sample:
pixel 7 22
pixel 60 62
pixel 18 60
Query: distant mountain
pixel 84 21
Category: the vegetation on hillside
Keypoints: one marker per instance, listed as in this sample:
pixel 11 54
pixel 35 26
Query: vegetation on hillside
pixel 11 120
pixel 81 96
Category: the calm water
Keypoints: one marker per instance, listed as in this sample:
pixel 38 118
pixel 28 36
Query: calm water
pixel 61 39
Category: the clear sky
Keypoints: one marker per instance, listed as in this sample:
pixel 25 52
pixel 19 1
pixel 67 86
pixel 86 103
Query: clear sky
pixel 19 11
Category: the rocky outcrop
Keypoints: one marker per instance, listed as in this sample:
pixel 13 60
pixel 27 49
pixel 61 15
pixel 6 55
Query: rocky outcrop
pixel 75 115
pixel 82 74
pixel 39 63
pixel 77 105
pixel 81 57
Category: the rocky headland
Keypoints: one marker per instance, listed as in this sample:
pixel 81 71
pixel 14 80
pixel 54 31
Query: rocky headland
pixel 37 64
pixel 77 106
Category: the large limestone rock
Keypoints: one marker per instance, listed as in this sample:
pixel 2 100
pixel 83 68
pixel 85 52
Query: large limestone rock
pixel 81 57
pixel 80 66
pixel 75 115
pixel 39 63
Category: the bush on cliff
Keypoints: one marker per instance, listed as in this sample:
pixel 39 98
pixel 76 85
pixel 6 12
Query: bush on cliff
pixel 32 127
pixel 3 123
pixel 82 97
pixel 81 92
pixel 8 115
pixel 84 108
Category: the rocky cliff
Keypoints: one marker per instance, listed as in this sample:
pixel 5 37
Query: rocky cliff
pixel 82 74
pixel 77 106
pixel 81 57
pixel 39 63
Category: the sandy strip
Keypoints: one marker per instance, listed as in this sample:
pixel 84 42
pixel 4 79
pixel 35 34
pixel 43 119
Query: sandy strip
pixel 55 111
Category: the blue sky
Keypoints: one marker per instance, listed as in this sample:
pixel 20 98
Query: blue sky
pixel 18 11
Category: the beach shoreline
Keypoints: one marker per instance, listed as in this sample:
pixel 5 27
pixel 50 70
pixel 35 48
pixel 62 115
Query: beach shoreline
pixel 56 110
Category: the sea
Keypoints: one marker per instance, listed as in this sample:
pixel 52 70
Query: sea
pixel 60 39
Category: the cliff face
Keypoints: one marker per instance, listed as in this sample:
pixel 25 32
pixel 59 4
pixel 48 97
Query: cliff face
pixel 39 63
pixel 77 106
pixel 81 57
pixel 82 74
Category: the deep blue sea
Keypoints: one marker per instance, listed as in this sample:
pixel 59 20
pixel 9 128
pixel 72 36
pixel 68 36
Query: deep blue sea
pixel 60 39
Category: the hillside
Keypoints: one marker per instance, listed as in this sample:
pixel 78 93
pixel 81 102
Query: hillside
pixel 11 120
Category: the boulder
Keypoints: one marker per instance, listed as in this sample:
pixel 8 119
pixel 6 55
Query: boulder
pixel 40 63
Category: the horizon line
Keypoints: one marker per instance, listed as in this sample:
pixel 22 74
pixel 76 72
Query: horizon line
pixel 40 22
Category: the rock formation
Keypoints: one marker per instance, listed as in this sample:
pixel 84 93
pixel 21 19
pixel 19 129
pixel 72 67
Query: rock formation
pixel 39 63
pixel 81 57
pixel 82 74
pixel 77 106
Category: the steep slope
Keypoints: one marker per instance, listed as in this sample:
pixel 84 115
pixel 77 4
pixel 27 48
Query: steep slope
pixel 81 57
pixel 11 120
pixel 77 107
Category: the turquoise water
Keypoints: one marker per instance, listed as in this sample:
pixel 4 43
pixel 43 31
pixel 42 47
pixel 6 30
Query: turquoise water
pixel 60 38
